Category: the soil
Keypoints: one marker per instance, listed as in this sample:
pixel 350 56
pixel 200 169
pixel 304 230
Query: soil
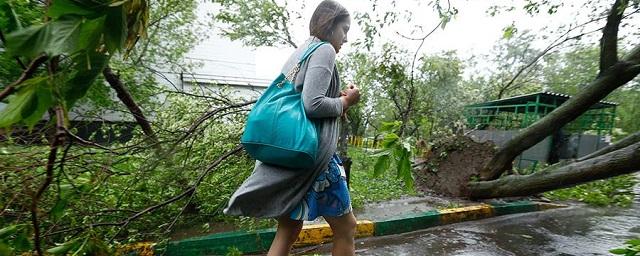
pixel 448 167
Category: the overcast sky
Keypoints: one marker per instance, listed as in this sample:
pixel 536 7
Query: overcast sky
pixel 471 32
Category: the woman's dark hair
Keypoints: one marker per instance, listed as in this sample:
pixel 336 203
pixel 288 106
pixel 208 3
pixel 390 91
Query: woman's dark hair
pixel 326 16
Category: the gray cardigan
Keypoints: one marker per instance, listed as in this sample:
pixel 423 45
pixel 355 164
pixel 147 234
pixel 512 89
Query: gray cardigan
pixel 273 191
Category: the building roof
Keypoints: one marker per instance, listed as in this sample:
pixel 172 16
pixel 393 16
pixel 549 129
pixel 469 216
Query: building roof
pixel 550 98
pixel 226 80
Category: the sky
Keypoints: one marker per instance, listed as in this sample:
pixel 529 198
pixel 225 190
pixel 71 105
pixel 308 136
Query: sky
pixel 471 32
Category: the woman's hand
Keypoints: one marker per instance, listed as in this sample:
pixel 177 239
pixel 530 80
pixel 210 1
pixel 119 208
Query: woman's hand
pixel 350 96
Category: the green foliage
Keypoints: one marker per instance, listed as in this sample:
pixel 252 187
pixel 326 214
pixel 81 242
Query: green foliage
pixel 74 30
pixel 509 31
pixel 632 248
pixel 398 150
pixel 91 185
pixel 570 71
pixel 32 99
pixel 617 191
pixel 233 251
pixel 533 7
pixel 357 67
pixel 367 188
pixel 15 15
pixel 14 239
pixel 509 69
pixel 267 25
pixel 99 187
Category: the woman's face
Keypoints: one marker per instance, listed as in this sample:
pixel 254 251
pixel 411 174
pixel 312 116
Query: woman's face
pixel 339 34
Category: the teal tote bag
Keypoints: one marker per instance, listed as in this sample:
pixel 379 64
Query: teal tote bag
pixel 277 130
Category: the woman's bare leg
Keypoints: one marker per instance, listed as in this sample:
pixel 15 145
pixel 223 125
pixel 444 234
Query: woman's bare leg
pixel 286 235
pixel 344 231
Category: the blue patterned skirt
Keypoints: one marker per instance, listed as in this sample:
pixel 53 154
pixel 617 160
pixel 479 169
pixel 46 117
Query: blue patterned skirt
pixel 328 196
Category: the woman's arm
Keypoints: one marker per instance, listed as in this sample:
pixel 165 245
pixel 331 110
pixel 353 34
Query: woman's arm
pixel 316 83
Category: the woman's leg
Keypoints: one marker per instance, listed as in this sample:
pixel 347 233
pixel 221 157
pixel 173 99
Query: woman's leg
pixel 286 235
pixel 344 230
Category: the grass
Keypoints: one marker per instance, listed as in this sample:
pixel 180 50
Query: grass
pixel 616 191
pixel 365 188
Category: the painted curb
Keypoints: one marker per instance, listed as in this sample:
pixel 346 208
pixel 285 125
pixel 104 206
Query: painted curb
pixel 260 240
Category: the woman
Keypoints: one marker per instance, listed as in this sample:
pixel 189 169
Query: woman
pixel 297 195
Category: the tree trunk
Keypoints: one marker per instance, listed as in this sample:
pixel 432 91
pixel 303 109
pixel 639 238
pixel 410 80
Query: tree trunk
pixel 622 161
pixel 631 139
pixel 613 78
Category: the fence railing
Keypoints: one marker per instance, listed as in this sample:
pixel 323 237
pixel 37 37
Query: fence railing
pixel 361 142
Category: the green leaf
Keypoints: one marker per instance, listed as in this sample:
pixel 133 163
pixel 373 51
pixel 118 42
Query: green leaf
pixel 382 164
pixel 380 152
pixel 30 106
pixel 13 21
pixel 64 248
pixel 57 211
pixel 445 20
pixel 390 126
pixel 118 3
pixel 509 31
pixel 7 231
pixel 634 242
pixel 618 251
pixel 43 100
pixel 389 140
pixel 28 42
pixel 90 32
pixel 87 68
pixel 81 249
pixel 115 32
pixel 96 247
pixel 65 35
pixel 404 170
pixel 60 8
pixel 5 249
pixel 21 242
pixel 22 104
pixel 53 38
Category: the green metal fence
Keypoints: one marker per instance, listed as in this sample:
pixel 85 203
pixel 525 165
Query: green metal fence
pixel 522 111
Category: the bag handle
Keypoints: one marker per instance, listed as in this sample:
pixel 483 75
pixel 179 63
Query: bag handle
pixel 291 75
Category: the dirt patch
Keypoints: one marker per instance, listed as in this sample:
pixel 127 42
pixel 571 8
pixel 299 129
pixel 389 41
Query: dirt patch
pixel 448 167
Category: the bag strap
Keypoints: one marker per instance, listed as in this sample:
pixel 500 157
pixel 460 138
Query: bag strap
pixel 312 48
pixel 291 75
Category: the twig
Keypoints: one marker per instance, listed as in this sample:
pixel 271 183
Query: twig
pixel 555 44
pixel 26 74
pixel 89 143
pixel 57 141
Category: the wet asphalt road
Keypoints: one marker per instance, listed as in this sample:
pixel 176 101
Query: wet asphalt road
pixel 577 230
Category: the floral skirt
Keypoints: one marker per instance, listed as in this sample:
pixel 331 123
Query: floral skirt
pixel 328 196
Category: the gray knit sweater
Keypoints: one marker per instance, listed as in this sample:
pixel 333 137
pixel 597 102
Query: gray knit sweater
pixel 273 191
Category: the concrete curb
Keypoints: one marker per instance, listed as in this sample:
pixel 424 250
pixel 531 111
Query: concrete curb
pixel 260 240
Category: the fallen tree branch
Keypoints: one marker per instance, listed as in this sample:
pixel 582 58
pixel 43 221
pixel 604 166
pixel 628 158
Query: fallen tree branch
pixel 57 141
pixel 149 209
pixel 129 102
pixel 616 76
pixel 631 139
pixel 619 162
pixel 187 192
